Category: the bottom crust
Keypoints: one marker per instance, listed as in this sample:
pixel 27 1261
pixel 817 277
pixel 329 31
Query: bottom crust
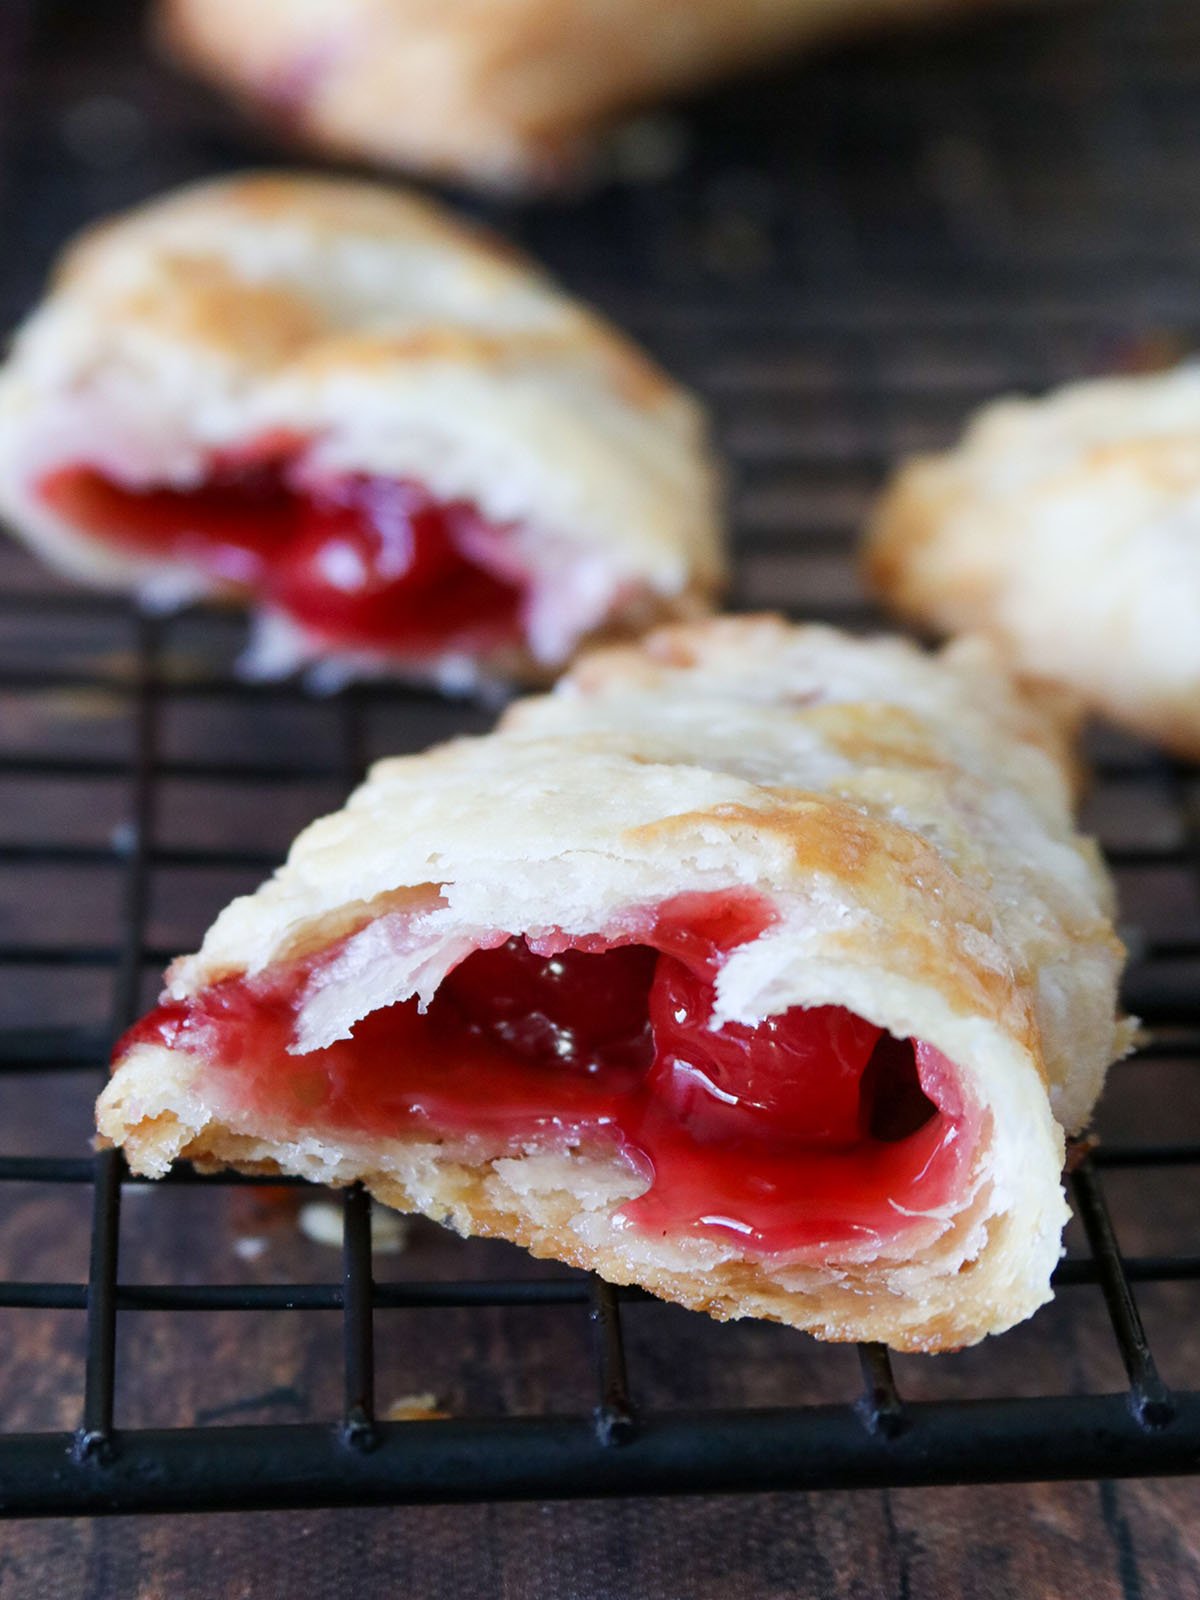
pixel 936 1296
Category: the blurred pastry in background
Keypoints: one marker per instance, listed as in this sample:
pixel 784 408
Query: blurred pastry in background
pixel 1068 530
pixel 389 433
pixel 502 92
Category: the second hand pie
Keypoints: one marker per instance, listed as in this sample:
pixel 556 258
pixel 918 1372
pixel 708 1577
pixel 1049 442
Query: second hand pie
pixel 398 438
pixel 758 965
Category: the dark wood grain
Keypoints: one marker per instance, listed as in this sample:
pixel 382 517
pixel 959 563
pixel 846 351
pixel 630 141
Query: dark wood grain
pixel 1028 1543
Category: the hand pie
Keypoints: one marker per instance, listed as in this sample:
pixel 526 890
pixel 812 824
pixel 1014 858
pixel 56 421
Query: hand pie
pixel 1068 529
pixel 503 92
pixel 399 440
pixel 758 965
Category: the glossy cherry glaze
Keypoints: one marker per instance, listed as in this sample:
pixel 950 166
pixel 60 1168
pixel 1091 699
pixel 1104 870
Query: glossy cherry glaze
pixel 813 1129
pixel 366 562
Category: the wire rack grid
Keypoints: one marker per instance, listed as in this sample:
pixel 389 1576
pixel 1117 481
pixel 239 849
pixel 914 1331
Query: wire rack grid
pixel 818 376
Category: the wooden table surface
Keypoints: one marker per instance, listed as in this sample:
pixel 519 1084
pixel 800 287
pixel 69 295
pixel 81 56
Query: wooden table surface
pixel 845 259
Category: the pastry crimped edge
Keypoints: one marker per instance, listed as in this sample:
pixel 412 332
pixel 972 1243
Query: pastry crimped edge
pixel 507 96
pixel 1003 958
pixel 1067 529
pixel 404 343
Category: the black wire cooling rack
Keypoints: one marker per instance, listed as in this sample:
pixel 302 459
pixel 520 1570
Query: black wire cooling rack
pixel 843 284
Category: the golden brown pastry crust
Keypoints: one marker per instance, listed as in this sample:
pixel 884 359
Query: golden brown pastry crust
pixel 498 91
pixel 399 340
pixel 1068 530
pixel 907 816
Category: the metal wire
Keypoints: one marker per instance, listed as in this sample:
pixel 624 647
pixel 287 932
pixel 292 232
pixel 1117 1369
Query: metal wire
pixel 876 1438
pixel 1037 309
pixel 94 1437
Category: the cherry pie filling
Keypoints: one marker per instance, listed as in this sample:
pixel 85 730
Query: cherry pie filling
pixel 356 560
pixel 813 1129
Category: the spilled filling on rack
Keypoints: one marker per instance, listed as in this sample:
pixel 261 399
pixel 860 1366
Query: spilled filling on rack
pixel 357 561
pixel 813 1129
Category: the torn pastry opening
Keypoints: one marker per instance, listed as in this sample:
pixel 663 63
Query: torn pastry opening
pixel 813 1129
pixel 355 560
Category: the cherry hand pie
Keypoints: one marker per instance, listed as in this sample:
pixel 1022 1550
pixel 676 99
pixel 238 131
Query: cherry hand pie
pixel 757 965
pixel 399 440
pixel 498 91
pixel 1068 529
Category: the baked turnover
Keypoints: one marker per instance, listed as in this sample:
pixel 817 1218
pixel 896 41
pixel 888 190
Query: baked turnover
pixel 404 444
pixel 495 91
pixel 757 965
pixel 1068 529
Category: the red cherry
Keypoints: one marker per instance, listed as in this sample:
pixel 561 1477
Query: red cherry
pixel 356 559
pixel 571 1009
pixel 814 1126
pixel 374 562
pixel 234 526
pixel 794 1076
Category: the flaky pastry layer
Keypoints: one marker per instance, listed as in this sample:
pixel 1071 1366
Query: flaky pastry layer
pixel 906 816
